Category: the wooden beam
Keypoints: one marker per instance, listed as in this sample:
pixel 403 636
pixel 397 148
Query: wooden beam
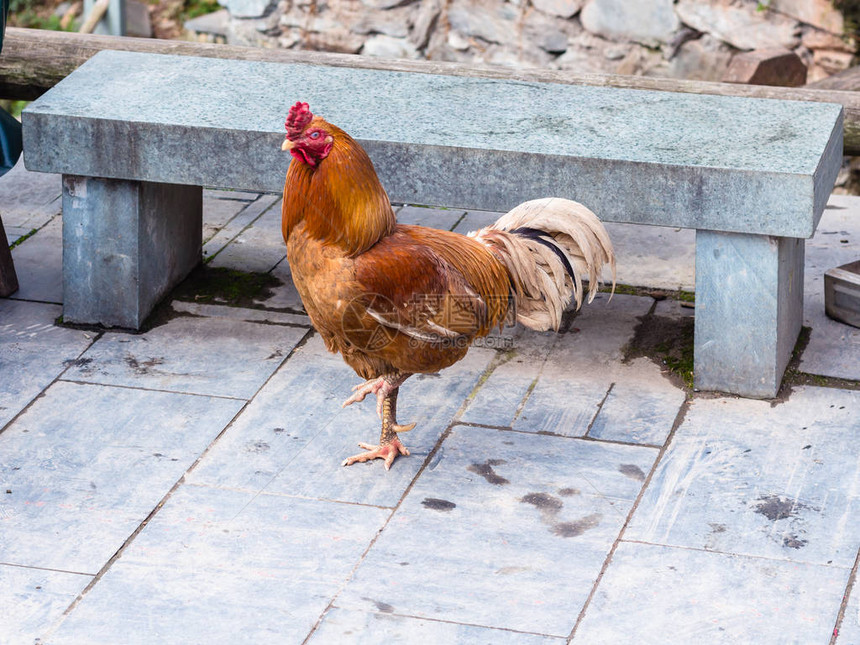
pixel 33 61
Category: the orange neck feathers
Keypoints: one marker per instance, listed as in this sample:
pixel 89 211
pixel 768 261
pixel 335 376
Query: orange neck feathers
pixel 340 201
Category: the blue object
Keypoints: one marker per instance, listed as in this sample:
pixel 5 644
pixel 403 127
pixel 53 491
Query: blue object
pixel 10 129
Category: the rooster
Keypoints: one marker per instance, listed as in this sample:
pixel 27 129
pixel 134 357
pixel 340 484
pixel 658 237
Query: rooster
pixel 397 300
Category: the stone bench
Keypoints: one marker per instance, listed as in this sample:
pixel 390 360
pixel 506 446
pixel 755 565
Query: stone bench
pixel 137 135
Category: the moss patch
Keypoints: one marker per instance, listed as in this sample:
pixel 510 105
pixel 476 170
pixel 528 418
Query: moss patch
pixel 794 377
pixel 214 286
pixel 650 292
pixel 668 341
pixel 221 286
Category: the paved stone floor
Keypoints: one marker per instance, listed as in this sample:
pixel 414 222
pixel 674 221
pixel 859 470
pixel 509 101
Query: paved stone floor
pixel 184 485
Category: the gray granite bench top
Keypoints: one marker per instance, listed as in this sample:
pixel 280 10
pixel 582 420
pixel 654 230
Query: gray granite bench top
pixel 694 161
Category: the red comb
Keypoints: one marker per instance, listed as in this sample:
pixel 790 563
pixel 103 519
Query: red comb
pixel 298 118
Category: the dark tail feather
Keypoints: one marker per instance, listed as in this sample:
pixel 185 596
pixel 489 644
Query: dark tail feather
pixel 538 236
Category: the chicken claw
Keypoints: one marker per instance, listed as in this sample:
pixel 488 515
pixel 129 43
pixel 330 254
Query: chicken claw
pixel 389 446
pixel 387 451
pixel 381 387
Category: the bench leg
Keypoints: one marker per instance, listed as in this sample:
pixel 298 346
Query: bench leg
pixel 125 245
pixel 749 309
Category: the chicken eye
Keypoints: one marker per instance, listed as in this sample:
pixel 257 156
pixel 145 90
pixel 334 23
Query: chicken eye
pixel 315 135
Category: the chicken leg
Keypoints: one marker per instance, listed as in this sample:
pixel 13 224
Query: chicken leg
pixel 390 445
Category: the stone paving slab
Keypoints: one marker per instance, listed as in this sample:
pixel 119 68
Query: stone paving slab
pixel 237 224
pixel 742 477
pixel 87 464
pixel 13 233
pixel 667 595
pixel 849 630
pixel 473 220
pixel 675 308
pixel 216 356
pixel 240 313
pixel 443 218
pixel 374 628
pixel 563 404
pixel 501 395
pixel 497 520
pixel 834 347
pixel 39 264
pixel 641 407
pixel 33 352
pixel 259 247
pixel 654 256
pixel 222 566
pixel 599 333
pixel 218 211
pixel 29 200
pixel 31 599
pixel 597 337
pixel 578 373
pixel 284 296
pixel 293 437
pixel 239 195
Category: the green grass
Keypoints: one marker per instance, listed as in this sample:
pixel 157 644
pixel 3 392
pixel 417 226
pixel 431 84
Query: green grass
pixel 14 107
pixel 195 8
pixel 658 294
pixel 23 238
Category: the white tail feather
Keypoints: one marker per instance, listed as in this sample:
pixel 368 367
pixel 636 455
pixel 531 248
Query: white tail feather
pixel 549 227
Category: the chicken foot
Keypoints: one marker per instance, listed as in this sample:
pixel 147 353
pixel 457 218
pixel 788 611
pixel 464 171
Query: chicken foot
pixel 382 387
pixel 390 445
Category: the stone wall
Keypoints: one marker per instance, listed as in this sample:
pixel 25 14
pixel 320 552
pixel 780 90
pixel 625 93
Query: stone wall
pixel 693 39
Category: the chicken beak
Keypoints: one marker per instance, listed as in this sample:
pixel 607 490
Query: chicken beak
pixel 287 145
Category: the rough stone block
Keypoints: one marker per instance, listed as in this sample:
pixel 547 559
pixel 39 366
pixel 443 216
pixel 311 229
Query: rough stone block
pixel 125 244
pixel 842 293
pixel 650 23
pixel 741 25
pixel 560 8
pixel 749 309
pixel 779 67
